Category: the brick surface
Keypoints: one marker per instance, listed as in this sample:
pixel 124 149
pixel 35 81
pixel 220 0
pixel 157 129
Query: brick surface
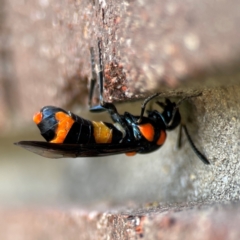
pixel 179 221
pixel 148 46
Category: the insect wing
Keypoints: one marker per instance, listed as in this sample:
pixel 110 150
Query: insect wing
pixel 53 150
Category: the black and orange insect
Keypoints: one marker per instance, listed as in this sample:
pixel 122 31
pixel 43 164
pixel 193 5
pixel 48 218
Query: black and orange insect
pixel 69 135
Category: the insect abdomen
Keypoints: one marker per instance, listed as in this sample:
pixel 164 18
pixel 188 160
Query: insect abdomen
pixel 59 126
pixel 84 131
pixel 80 132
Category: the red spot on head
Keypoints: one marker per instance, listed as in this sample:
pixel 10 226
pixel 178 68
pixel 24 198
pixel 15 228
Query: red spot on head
pixel 37 118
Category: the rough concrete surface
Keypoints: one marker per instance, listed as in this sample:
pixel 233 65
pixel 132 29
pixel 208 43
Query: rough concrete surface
pixel 177 48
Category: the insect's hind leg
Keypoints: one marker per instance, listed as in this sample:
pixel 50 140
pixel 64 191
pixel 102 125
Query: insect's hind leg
pixel 101 107
pixel 93 79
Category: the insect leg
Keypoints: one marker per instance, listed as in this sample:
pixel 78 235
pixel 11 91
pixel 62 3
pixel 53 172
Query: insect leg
pixel 197 152
pixel 93 79
pixel 100 72
pixel 179 138
pixel 101 107
pixel 116 117
pixel 144 104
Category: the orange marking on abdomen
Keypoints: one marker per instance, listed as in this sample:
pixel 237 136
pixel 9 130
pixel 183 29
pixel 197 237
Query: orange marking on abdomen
pixel 162 138
pixel 37 118
pixel 65 123
pixel 102 134
pixel 130 154
pixel 147 130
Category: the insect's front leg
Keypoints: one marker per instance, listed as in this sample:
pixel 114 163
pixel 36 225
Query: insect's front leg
pixel 144 104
